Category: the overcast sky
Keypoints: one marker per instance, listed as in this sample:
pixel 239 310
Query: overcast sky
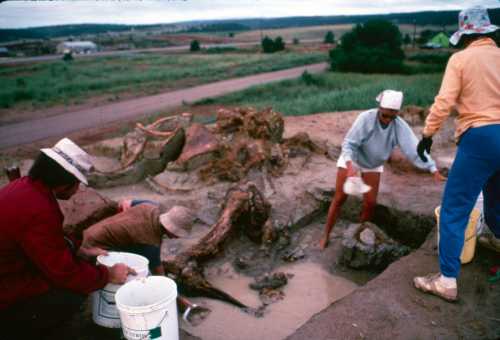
pixel 18 14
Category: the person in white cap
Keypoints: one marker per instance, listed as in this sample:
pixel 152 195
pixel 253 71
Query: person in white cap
pixel 368 144
pixel 471 86
pixel 44 275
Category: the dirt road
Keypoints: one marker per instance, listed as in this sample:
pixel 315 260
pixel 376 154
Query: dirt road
pixel 30 131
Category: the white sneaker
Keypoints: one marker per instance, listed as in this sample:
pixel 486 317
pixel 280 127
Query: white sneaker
pixel 432 285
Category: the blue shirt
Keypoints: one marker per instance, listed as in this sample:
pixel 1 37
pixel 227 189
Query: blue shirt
pixel 369 144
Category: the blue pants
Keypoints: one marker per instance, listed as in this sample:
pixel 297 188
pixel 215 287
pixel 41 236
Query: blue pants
pixel 476 167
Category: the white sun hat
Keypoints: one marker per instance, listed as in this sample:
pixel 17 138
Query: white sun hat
pixel 71 157
pixel 473 20
pixel 390 99
pixel 355 186
pixel 178 221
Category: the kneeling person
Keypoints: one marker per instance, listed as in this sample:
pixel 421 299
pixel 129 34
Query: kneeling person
pixel 139 228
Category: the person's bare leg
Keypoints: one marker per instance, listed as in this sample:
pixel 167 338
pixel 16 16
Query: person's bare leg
pixel 370 198
pixel 334 211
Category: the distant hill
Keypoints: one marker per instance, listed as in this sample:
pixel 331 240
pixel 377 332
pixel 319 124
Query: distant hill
pixel 420 18
pixel 229 26
pixel 48 32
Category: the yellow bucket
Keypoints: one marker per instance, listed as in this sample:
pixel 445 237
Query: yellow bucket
pixel 470 235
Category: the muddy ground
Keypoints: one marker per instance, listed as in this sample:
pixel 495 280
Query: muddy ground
pixel 368 304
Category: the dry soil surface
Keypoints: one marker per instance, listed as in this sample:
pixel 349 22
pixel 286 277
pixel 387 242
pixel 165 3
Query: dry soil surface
pixel 362 304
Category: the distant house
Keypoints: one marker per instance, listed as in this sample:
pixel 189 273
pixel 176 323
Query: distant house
pixel 440 40
pixel 77 47
pixel 4 52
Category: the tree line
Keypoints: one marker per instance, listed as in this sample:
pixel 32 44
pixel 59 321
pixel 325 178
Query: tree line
pixel 438 18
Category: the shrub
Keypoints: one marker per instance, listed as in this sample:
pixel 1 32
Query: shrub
pixel 329 38
pixel 373 47
pixel 296 41
pixel 423 68
pixel 407 39
pixel 217 49
pixel 311 80
pixel 68 56
pixel 267 45
pixel 426 35
pixel 307 78
pixel 270 46
pixel 279 44
pixel 20 82
pixel 435 58
pixel 195 46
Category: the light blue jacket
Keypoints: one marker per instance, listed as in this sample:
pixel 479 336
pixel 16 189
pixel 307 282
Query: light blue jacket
pixel 369 145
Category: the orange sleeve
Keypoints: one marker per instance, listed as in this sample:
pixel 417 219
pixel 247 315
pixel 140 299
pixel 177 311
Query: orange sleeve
pixel 446 98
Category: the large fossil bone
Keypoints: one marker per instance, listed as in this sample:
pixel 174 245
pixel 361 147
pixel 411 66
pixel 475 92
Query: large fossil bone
pixel 246 209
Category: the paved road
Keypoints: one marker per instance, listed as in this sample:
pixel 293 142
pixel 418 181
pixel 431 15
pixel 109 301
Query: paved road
pixel 31 131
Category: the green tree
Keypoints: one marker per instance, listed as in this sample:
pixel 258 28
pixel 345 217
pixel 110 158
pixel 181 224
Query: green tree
pixel 270 46
pixel 267 45
pixel 329 38
pixel 296 41
pixel 372 47
pixel 279 44
pixel 195 46
pixel 68 56
pixel 407 39
pixel 426 35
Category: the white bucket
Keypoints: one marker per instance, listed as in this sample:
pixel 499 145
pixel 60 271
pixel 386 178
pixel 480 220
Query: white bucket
pixel 148 308
pixel 104 312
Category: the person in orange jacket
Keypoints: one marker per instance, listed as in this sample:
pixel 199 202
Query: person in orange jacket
pixel 471 85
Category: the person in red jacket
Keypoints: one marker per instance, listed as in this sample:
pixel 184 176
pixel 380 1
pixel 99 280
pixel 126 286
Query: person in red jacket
pixel 45 276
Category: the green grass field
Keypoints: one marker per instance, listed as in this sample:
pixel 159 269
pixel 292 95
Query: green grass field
pixel 332 91
pixel 52 83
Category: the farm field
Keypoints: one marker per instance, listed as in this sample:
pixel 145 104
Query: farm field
pixel 318 32
pixel 45 84
pixel 301 33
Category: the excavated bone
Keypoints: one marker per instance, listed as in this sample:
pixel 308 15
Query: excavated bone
pixel 244 209
pixel 272 281
pixel 135 142
pixel 141 169
pixel 200 147
pixel 266 124
pixel 133 145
